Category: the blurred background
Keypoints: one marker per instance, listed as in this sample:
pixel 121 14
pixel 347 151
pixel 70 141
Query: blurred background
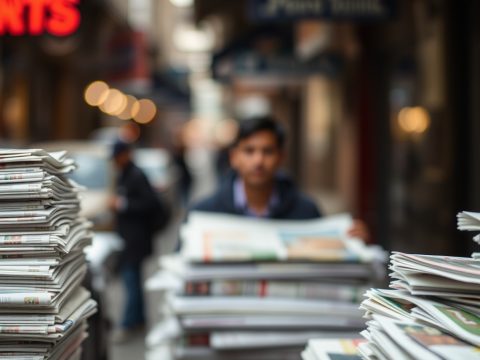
pixel 381 99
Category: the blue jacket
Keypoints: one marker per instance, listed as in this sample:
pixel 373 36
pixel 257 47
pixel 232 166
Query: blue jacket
pixel 292 205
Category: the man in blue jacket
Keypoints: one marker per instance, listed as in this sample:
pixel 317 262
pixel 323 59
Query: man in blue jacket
pixel 255 187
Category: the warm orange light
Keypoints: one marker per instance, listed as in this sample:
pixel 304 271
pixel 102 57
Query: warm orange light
pixel 96 93
pixel 121 103
pixel 114 103
pixel 127 111
pixel 414 120
pixel 144 111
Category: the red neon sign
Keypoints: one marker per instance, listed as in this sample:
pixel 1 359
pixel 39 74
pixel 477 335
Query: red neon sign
pixel 36 17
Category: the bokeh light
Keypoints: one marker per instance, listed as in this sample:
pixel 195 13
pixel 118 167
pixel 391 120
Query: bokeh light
pixel 115 102
pixel 144 111
pixel 126 114
pixel 414 120
pixel 96 93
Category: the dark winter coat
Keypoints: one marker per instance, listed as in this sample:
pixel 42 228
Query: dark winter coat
pixel 292 204
pixel 134 220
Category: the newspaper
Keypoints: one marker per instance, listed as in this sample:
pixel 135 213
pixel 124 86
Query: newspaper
pixel 184 352
pixel 212 237
pixel 463 270
pixel 60 328
pixel 468 220
pixel 332 349
pixel 54 162
pixel 266 270
pixel 254 305
pixel 276 288
pixel 270 321
pixel 456 320
pixel 226 340
pixel 416 341
pixel 350 290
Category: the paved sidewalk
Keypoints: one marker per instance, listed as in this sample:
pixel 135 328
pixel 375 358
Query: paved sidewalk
pixel 135 349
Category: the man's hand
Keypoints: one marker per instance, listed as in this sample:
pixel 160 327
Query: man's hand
pixel 112 203
pixel 117 203
pixel 360 230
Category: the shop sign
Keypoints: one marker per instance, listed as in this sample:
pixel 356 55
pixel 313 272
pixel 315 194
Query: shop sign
pixel 277 10
pixel 251 64
pixel 37 17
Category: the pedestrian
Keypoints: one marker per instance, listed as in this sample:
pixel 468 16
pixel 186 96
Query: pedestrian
pixel 133 204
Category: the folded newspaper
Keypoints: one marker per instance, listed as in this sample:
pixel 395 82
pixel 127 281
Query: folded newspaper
pixel 468 220
pixel 210 237
pixel 393 339
pixel 332 349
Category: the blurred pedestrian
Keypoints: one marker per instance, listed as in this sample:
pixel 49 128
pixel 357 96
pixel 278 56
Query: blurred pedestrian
pixel 185 179
pixel 134 205
pixel 255 187
pixel 225 133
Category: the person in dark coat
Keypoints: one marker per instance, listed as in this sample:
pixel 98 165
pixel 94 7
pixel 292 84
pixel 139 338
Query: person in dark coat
pixel 288 202
pixel 133 204
pixel 255 187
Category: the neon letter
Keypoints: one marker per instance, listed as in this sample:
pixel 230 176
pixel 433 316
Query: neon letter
pixel 37 16
pixel 65 17
pixel 11 17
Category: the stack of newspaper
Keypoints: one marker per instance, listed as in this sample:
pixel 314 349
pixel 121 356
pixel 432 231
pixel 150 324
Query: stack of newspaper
pixel 43 307
pixel 245 288
pixel 432 310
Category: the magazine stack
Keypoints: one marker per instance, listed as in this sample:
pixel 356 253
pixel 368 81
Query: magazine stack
pixel 43 307
pixel 432 309
pixel 244 288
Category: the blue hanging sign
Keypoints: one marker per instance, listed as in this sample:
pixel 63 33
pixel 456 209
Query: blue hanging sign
pixel 353 10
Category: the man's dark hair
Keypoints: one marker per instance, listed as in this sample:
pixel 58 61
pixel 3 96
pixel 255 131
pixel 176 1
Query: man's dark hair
pixel 120 147
pixel 248 127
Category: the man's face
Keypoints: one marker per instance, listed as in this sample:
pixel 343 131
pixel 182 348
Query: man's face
pixel 257 158
pixel 120 160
